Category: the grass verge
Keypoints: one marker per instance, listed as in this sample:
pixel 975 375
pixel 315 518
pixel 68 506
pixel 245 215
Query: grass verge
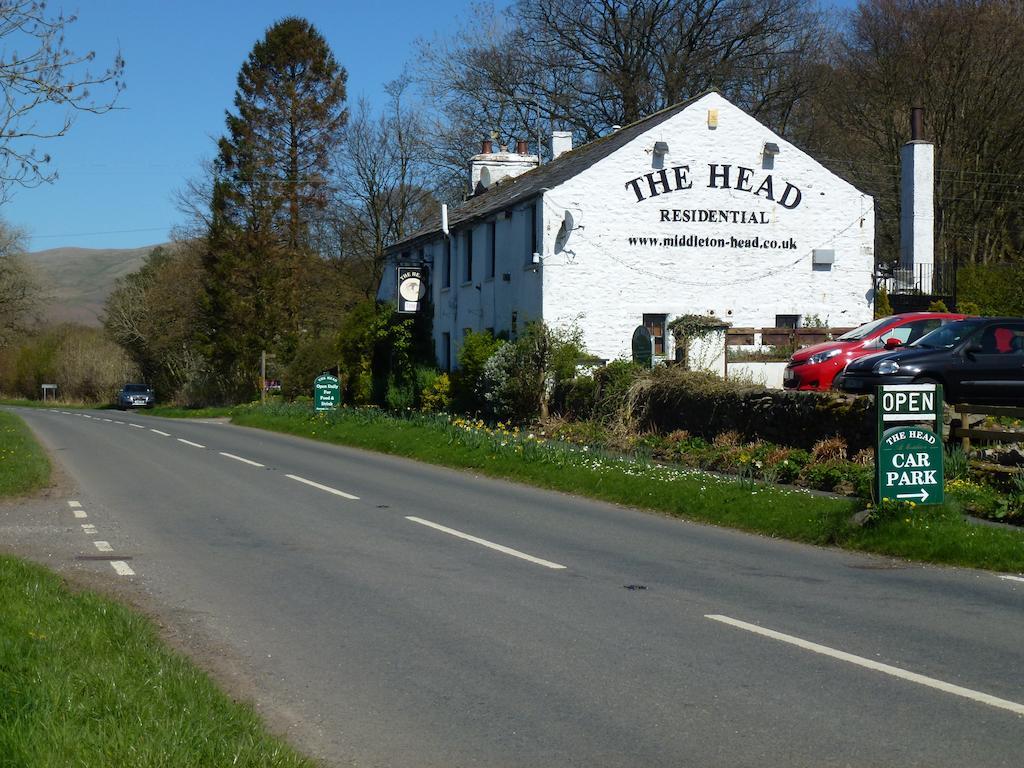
pixel 26 403
pixel 938 535
pixel 85 682
pixel 24 466
pixel 172 412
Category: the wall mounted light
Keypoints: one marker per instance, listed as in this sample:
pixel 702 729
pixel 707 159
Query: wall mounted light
pixel 771 148
pixel 661 147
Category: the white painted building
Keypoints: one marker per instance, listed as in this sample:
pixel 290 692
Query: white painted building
pixel 698 209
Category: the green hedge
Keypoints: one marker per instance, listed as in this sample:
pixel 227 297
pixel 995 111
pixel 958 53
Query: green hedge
pixel 670 399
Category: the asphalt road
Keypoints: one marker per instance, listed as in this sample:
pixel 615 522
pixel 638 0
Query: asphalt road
pixel 599 636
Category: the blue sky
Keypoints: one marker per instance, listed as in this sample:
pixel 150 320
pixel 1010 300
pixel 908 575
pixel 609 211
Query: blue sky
pixel 120 171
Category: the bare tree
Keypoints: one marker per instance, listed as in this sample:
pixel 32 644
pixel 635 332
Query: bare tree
pixel 382 193
pixel 588 65
pixel 39 72
pixel 961 61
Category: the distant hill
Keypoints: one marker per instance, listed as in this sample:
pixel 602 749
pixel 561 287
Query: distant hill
pixel 78 280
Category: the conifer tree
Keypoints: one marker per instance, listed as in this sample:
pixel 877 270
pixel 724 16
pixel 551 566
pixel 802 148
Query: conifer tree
pixel 270 186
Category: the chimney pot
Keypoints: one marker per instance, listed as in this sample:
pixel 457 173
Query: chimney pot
pixel 486 147
pixel 521 148
pixel 917 124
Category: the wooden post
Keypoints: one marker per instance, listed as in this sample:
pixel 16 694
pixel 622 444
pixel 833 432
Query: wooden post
pixel 965 441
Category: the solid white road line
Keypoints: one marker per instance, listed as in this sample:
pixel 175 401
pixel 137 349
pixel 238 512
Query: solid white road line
pixel 489 544
pixel 1012 578
pixel 103 546
pixel 73 504
pixel 122 568
pixel 165 434
pixel 902 674
pixel 88 528
pixel 239 458
pixel 137 426
pixel 327 488
pixel 80 513
pixel 189 442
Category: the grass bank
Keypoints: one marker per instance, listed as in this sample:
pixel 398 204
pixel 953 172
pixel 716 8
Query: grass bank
pixel 24 466
pixel 174 412
pixel 938 535
pixel 26 403
pixel 85 682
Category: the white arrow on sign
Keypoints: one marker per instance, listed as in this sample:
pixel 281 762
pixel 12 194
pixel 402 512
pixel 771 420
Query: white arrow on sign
pixel 923 495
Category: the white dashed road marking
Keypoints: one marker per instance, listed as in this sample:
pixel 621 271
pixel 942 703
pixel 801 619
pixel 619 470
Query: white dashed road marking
pixel 137 426
pixel 326 488
pixel 80 514
pixel 489 544
pixel 103 546
pixel 109 421
pixel 89 529
pixel 165 434
pixel 118 422
pixel 239 458
pixel 887 669
pixel 189 442
pixel 122 568
pixel 74 504
pixel 1012 578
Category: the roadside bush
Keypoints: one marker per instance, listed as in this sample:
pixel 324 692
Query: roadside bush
pixel 611 384
pixel 477 348
pixel 992 289
pixel 401 395
pixel 574 398
pixel 434 390
pixel 519 378
pixel 313 357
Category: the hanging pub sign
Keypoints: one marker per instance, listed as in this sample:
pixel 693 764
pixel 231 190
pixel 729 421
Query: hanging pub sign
pixel 412 288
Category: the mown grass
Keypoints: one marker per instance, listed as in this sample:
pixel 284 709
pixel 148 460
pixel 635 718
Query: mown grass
pixel 26 403
pixel 938 535
pixel 24 466
pixel 85 682
pixel 174 412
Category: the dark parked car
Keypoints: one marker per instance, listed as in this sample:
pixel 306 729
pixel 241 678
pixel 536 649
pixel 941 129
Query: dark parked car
pixel 978 360
pixel 135 396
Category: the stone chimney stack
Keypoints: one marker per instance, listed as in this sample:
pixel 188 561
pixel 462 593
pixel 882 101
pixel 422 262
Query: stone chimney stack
pixel 917 202
pixel 490 167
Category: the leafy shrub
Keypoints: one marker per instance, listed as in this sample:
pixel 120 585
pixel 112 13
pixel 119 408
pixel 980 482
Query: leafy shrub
pixel 574 398
pixel 938 306
pixel 435 392
pixel 477 348
pixel 611 383
pixel 883 307
pixel 401 395
pixel 992 289
pixel 519 378
pixel 313 357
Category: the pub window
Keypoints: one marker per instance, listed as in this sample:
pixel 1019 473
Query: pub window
pixel 467 271
pixel 492 247
pixel 787 321
pixel 655 324
pixel 446 351
pixel 447 263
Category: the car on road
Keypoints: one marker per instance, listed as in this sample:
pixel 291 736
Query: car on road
pixel 816 366
pixel 135 396
pixel 979 360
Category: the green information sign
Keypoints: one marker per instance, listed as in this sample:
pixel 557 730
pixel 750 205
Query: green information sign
pixel 643 347
pixel 910 465
pixel 326 393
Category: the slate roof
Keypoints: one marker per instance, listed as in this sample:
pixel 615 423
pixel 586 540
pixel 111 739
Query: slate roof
pixel 509 192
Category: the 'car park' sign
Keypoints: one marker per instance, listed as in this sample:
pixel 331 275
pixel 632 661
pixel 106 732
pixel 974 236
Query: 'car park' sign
pixel 909 455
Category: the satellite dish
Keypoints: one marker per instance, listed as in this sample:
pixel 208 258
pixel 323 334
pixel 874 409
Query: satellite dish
pixel 568 225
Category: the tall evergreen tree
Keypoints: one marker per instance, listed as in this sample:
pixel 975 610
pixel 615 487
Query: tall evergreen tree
pixel 270 186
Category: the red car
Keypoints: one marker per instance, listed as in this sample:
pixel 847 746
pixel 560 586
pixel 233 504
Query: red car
pixel 815 367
